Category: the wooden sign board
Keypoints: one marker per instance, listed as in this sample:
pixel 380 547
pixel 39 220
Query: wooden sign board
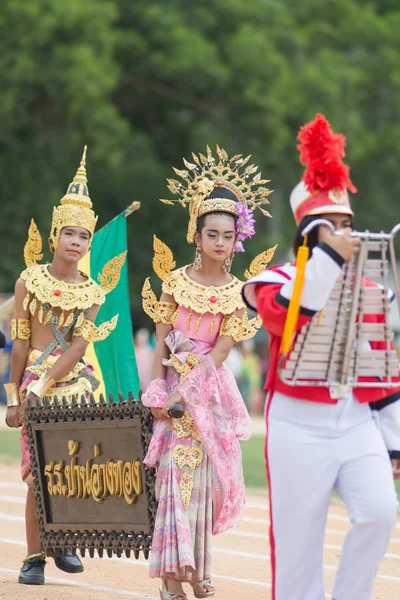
pixel 92 489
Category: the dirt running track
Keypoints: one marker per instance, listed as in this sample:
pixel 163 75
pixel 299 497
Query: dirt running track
pixel 240 564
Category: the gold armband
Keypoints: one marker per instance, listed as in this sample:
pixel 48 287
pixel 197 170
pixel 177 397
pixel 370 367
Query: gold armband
pixel 20 329
pixel 90 333
pixel 41 386
pixel 165 312
pixel 240 329
pixel 12 394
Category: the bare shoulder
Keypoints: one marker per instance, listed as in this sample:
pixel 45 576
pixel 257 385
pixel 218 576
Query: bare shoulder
pixel 20 287
pixel 165 297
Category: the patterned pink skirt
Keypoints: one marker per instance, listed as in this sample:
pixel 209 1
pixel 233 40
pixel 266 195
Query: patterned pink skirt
pixel 182 536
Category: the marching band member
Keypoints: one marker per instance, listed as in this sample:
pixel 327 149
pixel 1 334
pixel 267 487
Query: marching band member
pixel 317 443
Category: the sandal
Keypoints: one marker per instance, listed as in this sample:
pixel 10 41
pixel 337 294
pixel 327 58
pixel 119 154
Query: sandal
pixel 166 595
pixel 203 584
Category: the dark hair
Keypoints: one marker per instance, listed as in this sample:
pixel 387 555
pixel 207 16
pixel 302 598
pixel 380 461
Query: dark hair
pixel 217 192
pixel 312 236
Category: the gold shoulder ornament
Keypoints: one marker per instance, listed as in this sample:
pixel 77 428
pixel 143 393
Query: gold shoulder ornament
pixel 33 247
pixel 159 312
pixel 111 273
pixel 260 262
pixel 163 259
pixel 163 265
pixel 240 328
pixel 91 333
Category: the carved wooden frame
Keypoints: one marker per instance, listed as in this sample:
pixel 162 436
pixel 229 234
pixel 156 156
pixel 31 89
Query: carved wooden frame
pixel 86 411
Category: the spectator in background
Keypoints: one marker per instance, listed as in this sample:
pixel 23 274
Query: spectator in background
pixel 144 357
pixel 250 378
pixel 234 361
pixel 4 366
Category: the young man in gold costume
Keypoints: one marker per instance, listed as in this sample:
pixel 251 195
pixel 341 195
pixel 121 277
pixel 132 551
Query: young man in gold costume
pixel 55 308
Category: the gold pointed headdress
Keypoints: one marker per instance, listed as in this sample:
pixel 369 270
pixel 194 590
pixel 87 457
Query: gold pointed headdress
pixel 205 174
pixel 75 208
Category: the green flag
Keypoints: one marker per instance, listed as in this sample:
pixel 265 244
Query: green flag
pixel 115 355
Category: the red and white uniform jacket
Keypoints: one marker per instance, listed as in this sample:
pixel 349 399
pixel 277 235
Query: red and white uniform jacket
pixel 269 294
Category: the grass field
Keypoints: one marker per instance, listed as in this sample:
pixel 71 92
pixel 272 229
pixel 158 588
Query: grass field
pixel 9 445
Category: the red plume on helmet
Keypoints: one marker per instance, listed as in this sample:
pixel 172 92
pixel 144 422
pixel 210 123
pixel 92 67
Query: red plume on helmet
pixel 326 179
pixel 321 151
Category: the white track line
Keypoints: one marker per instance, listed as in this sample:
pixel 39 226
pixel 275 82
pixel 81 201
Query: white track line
pixel 258 536
pixel 331 516
pixel 4 517
pixel 13 486
pixel 263 557
pixel 13 499
pixel 89 586
pixel 143 563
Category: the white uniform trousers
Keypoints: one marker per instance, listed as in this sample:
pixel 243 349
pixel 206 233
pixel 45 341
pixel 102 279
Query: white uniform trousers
pixel 313 448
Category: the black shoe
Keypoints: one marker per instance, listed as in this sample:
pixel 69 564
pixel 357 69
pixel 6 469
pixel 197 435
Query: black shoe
pixel 32 571
pixel 67 562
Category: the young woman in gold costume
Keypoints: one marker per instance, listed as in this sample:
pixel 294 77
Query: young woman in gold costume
pixel 199 317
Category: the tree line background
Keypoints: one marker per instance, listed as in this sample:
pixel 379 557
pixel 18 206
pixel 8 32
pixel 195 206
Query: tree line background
pixel 145 82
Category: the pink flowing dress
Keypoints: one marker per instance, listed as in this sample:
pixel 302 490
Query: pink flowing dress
pixel 199 485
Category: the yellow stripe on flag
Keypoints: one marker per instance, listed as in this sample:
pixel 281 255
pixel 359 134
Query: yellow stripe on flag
pixel 84 266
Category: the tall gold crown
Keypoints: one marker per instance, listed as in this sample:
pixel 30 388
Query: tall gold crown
pixel 205 174
pixel 75 208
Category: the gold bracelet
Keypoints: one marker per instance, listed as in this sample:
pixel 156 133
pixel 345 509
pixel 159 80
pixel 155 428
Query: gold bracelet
pixel 12 394
pixel 41 386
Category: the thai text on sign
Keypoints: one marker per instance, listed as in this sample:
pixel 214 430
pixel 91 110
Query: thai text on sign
pixel 112 478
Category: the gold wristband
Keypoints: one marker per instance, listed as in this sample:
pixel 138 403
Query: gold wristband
pixel 12 394
pixel 41 386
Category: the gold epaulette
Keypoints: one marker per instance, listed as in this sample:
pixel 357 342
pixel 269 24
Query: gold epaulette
pixel 34 245
pixel 163 259
pixel 90 333
pixel 159 312
pixel 240 329
pixel 260 262
pixel 110 275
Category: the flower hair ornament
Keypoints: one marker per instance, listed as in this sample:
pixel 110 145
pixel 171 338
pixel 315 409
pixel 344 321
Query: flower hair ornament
pixel 224 185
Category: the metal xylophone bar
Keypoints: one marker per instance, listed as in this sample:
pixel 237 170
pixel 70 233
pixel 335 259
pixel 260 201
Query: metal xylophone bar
pixel 334 348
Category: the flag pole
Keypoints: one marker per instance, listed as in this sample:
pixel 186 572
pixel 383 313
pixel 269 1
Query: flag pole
pixel 132 208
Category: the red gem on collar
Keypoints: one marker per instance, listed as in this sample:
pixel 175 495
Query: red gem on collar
pixel 189 364
pixel 213 299
pixel 57 292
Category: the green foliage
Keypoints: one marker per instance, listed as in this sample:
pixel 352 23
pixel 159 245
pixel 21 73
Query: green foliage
pixel 145 83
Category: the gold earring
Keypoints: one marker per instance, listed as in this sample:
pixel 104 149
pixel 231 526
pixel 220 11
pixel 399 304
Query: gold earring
pixel 226 266
pixel 198 263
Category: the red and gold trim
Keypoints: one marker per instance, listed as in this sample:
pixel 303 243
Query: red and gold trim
pixel 321 202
